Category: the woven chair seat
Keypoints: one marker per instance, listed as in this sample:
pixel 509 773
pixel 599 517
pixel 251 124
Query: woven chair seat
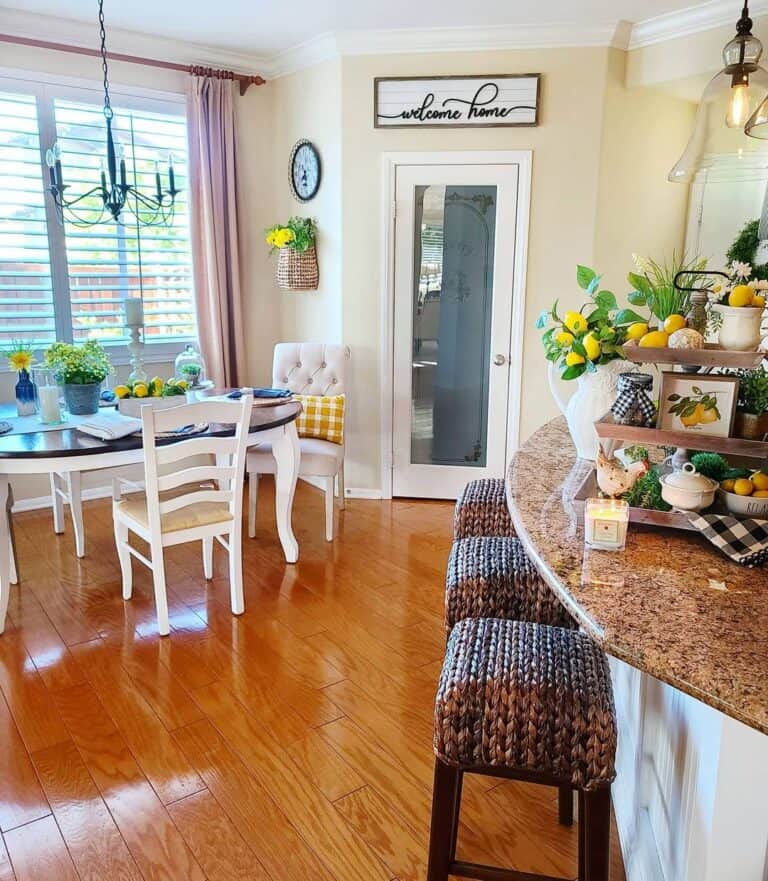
pixel 494 578
pixel 481 509
pixel 526 697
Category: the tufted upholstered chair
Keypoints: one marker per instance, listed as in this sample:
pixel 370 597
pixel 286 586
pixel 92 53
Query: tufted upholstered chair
pixel 306 369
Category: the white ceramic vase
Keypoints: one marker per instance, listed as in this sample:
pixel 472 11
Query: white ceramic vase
pixel 740 330
pixel 593 398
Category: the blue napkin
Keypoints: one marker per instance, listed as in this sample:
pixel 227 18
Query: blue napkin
pixel 263 393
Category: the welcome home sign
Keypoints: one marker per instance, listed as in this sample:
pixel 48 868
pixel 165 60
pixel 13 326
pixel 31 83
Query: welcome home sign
pixel 456 101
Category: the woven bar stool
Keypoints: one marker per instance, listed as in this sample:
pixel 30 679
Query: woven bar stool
pixel 528 702
pixel 481 509
pixel 491 577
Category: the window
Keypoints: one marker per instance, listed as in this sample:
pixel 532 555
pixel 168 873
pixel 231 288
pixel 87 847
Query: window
pixel 69 282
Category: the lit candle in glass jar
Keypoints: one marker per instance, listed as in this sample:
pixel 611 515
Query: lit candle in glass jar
pixel 605 524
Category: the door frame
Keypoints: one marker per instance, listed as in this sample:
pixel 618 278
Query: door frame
pixel 523 159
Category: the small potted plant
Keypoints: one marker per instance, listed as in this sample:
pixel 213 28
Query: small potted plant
pixel 20 356
pixel 752 406
pixel 294 241
pixel 80 369
pixel 739 310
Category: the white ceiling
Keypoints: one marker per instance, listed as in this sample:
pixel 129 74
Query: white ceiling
pixel 262 28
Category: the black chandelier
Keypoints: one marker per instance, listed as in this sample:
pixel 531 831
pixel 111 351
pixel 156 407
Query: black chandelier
pixel 113 193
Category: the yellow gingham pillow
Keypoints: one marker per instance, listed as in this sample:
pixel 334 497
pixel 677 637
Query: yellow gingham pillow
pixel 322 417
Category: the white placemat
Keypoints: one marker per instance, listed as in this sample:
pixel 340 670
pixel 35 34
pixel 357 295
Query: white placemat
pixel 30 424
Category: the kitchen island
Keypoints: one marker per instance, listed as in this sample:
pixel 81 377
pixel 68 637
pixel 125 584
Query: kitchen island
pixel 687 632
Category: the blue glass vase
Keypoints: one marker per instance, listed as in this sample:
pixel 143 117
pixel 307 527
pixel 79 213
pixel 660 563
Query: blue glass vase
pixel 26 394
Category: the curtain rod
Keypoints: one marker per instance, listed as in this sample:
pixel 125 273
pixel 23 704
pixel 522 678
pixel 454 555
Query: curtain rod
pixel 245 80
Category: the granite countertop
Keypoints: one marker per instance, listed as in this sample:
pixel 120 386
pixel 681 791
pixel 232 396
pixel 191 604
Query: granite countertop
pixel 670 604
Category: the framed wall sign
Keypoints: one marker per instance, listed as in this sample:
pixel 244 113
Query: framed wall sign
pixel 456 101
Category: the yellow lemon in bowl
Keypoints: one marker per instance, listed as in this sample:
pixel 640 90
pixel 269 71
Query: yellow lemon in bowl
pixel 637 330
pixel 743 486
pixel 758 301
pixel 656 339
pixel 575 322
pixel 727 485
pixel 140 390
pixel 741 295
pixel 673 323
pixel 760 480
pixel 121 391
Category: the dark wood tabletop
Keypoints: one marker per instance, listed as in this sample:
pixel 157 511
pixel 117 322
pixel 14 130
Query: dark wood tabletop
pixel 71 442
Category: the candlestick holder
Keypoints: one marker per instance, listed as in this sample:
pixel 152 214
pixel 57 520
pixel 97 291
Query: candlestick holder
pixel 136 348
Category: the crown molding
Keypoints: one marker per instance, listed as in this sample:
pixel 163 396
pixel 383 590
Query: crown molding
pixel 691 20
pixel 49 28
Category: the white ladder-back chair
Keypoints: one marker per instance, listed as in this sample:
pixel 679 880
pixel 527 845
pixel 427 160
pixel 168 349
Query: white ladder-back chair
pixel 192 502
pixel 306 369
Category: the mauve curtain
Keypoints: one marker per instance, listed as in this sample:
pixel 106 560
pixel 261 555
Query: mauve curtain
pixel 213 193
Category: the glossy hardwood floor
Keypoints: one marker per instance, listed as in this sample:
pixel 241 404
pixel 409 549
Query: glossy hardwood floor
pixel 290 744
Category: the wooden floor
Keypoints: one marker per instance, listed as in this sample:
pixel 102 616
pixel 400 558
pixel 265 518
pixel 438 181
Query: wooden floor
pixel 290 744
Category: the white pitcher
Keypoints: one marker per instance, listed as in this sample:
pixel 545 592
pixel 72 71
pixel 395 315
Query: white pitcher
pixel 593 398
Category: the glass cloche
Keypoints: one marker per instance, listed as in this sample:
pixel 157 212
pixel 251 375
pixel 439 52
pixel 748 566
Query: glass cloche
pixel 190 366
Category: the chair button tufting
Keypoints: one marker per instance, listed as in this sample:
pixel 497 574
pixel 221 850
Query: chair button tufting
pixel 298 363
pixel 323 365
pixel 309 381
pixel 285 379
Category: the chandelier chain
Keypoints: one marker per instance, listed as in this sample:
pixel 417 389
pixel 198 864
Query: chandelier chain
pixel 108 113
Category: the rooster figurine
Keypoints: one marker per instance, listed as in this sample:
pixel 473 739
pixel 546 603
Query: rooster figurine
pixel 613 478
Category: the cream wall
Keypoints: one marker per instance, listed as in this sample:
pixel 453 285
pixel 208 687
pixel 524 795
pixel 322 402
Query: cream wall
pixel 307 105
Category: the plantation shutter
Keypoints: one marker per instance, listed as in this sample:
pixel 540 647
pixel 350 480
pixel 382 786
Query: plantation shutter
pixel 112 261
pixel 26 289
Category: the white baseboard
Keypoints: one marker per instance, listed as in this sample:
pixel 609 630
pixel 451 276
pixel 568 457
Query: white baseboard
pixel 36 503
pixel 354 492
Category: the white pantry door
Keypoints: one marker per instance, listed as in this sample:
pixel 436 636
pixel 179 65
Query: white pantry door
pixel 453 272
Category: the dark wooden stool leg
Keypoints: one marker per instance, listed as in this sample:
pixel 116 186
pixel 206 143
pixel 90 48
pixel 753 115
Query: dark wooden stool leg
pixel 597 833
pixel 581 837
pixel 445 808
pixel 565 805
pixel 456 815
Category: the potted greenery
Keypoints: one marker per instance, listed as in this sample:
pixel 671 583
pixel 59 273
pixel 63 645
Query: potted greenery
pixel 80 369
pixel 752 407
pixel 297 256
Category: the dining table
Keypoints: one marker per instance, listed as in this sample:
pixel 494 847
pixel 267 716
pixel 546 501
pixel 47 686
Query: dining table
pixel 68 450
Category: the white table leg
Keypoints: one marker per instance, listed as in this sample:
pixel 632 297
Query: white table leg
pixel 5 551
pixel 74 491
pixel 57 504
pixel 287 453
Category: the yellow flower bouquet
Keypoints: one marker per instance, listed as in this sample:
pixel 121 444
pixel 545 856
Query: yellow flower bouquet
pixel 298 235
pixel 20 356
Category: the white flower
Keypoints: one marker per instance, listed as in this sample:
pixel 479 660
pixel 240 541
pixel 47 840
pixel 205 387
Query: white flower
pixel 760 283
pixel 740 269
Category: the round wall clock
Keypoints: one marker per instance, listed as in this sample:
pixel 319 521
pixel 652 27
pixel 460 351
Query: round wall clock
pixel 304 171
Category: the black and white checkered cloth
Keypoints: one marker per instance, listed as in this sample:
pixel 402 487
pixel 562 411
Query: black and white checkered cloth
pixel 630 397
pixel 744 541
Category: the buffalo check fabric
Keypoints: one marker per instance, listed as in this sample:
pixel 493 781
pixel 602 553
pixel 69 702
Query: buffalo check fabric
pixel 744 541
pixel 322 417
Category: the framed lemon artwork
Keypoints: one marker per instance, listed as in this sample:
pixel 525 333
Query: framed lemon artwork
pixel 698 403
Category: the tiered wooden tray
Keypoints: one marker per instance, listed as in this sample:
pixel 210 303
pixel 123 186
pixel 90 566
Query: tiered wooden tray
pixel 736 448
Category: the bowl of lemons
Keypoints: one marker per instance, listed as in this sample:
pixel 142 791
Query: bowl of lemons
pixel 746 496
pixel 156 392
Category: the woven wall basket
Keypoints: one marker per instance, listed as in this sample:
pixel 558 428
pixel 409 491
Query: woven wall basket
pixel 298 271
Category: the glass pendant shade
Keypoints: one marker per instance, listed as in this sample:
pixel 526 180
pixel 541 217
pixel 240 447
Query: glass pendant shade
pixel 730 102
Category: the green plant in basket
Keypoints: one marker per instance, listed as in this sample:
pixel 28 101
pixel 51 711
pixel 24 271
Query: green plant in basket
pixel 298 235
pixel 78 364
pixel 653 284
pixel 582 341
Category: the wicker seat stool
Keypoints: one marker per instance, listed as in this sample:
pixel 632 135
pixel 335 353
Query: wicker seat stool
pixel 528 702
pixel 490 577
pixel 481 509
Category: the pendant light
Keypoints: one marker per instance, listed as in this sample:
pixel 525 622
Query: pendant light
pixel 108 199
pixel 729 103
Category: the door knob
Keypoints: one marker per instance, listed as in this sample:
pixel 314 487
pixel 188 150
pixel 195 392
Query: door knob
pixel 499 360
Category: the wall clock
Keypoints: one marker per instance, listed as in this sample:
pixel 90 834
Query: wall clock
pixel 304 171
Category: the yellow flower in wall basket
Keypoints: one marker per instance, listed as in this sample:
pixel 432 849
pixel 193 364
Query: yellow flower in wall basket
pixel 294 241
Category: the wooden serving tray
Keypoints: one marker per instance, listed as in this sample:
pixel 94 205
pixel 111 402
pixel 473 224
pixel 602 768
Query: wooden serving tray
pixel 710 356
pixel 670 519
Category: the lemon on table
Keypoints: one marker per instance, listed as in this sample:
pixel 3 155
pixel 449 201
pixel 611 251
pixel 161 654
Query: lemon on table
pixel 575 322
pixel 727 485
pixel 564 338
pixel 673 323
pixel 743 486
pixel 592 346
pixel 758 301
pixel 140 390
pixel 637 330
pixel 572 359
pixel 741 295
pixel 760 480
pixel 121 391
pixel 656 339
